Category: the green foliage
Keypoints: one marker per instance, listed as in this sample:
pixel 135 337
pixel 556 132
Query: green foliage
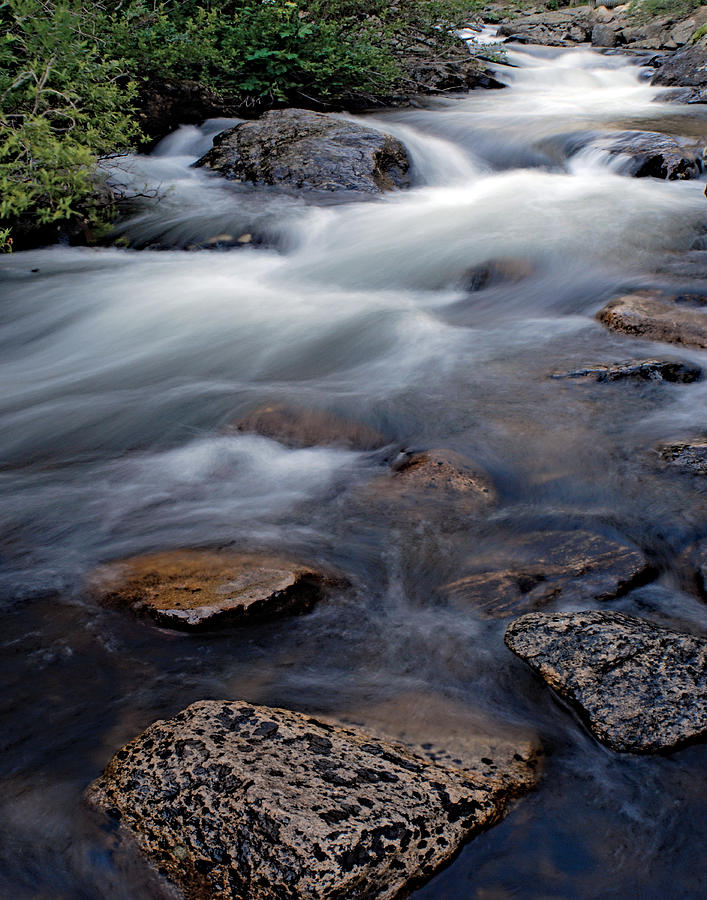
pixel 69 71
pixel 647 9
pixel 699 34
pixel 61 107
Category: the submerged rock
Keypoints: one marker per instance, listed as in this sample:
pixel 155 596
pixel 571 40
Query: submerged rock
pixel 303 150
pixel 301 427
pixel 247 802
pixel 690 455
pixel 638 370
pixel 640 687
pixel 508 270
pixel 656 155
pixel 694 559
pixel 548 566
pixel 436 475
pixel 192 589
pixel 657 316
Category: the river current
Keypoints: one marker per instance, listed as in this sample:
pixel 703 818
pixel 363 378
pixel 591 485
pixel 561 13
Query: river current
pixel 122 368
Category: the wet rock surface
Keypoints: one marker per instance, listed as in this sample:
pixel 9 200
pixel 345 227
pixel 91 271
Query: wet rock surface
pixel 302 427
pixel 548 566
pixel 658 316
pixel 694 560
pixel 227 799
pixel 686 68
pixel 641 688
pixel 435 476
pixel 510 270
pixel 688 455
pixel 301 150
pixel 656 155
pixel 195 589
pixel 671 371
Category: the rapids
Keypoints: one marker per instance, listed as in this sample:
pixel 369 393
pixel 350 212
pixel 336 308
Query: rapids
pixel 121 368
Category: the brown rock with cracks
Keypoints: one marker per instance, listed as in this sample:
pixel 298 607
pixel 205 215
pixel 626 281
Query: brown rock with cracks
pixel 658 317
pixel 641 688
pixel 549 566
pixel 248 802
pixel 195 589
pixel 301 427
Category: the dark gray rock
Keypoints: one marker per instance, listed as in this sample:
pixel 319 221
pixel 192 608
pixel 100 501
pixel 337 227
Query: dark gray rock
pixel 638 370
pixel 606 35
pixel 232 800
pixel 302 150
pixel 194 589
pixel 503 270
pixel 544 567
pixel 656 155
pixel 686 68
pixel 657 316
pixel 641 688
pixel 688 455
pixel 301 427
pixel 694 563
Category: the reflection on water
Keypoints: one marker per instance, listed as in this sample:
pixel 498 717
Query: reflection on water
pixel 121 371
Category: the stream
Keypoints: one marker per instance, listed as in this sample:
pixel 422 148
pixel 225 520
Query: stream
pixel 122 369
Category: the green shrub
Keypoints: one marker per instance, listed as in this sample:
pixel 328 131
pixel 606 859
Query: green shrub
pixel 69 71
pixel 61 107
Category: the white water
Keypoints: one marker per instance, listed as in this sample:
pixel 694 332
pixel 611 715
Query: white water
pixel 121 370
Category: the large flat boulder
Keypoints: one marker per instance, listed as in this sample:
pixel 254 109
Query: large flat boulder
pixel 231 800
pixel 641 688
pixel 549 566
pixel 307 151
pixel 657 316
pixel 297 426
pixel 195 589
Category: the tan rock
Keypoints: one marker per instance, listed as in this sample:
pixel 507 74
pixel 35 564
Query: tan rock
pixel 302 427
pixel 656 316
pixel 238 801
pixel 191 589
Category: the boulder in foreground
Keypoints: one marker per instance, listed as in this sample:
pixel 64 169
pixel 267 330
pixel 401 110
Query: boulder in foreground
pixel 658 317
pixel 301 150
pixel 640 687
pixel 231 800
pixel 192 589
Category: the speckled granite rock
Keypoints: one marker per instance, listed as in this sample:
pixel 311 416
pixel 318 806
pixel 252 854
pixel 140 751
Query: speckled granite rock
pixel 192 589
pixel 300 427
pixel 303 150
pixel 548 566
pixel 640 687
pixel 639 370
pixel 657 317
pixel 688 455
pixel 237 801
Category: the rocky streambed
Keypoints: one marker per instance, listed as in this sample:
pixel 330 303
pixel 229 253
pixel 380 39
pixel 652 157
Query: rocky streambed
pixel 363 510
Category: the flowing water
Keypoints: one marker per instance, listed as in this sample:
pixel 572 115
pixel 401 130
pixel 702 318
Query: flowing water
pixel 121 369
